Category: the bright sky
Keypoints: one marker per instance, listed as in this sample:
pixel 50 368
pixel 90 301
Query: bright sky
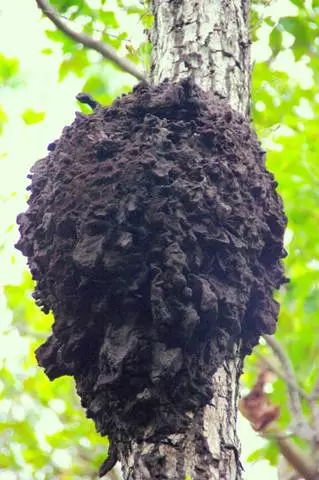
pixel 22 35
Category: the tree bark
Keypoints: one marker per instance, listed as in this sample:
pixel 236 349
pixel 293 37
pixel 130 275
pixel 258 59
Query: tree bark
pixel 209 41
pixel 210 448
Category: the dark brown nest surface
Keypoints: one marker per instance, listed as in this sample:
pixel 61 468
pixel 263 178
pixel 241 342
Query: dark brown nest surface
pixel 155 235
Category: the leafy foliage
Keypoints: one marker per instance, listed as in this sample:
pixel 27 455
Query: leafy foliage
pixel 104 25
pixel 30 116
pixel 42 419
pixel 285 112
pixel 9 69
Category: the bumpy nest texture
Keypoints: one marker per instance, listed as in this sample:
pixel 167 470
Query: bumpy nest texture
pixel 155 235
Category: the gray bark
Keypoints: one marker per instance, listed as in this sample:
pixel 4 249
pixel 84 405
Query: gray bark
pixel 209 450
pixel 208 40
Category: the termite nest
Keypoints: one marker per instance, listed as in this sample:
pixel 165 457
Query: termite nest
pixel 155 234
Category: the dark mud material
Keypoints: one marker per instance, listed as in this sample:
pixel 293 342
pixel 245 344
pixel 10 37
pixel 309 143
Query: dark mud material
pixel 155 235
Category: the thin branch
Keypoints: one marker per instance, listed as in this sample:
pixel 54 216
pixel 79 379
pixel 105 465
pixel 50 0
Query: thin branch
pixel 305 465
pixel 271 365
pixel 313 401
pixel 315 423
pixel 301 427
pixel 105 50
pixel 315 392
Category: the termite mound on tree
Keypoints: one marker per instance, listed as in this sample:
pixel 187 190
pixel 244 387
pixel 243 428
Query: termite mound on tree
pixel 155 235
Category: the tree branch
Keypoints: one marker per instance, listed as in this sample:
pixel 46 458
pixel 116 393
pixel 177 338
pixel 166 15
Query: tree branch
pixel 301 427
pixel 315 391
pixel 305 466
pixel 313 401
pixel 273 367
pixel 105 50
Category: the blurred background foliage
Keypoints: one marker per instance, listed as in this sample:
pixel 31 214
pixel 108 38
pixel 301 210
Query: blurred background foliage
pixel 44 433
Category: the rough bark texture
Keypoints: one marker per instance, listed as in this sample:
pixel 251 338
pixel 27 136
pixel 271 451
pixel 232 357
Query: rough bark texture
pixel 207 40
pixel 198 453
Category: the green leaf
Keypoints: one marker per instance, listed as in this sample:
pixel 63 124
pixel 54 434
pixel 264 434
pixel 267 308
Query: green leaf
pixel 271 453
pixel 256 455
pixel 47 51
pixel 116 41
pixel 135 10
pixel 9 67
pixel 31 117
pixel 298 3
pixel 55 35
pixel 297 27
pixel 5 461
pixel 270 21
pixel 145 54
pixel 76 64
pixel 147 20
pixel 95 85
pixel 3 119
pixel 98 86
pixel 68 45
pixel 275 40
pixel 108 18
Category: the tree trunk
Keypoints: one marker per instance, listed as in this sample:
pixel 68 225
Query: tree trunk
pixel 209 41
pixel 155 235
pixel 209 450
